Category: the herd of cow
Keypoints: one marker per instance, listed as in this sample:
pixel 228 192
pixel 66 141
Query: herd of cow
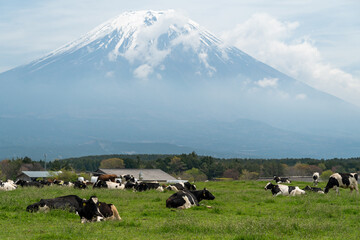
pixel 336 180
pixel 185 195
pixel 92 209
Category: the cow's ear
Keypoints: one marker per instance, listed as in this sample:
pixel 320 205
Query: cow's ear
pixel 205 188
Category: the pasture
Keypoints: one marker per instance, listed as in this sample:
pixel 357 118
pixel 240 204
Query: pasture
pixel 241 210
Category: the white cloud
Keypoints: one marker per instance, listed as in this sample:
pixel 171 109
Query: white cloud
pixel 143 71
pixel 203 58
pixel 110 74
pixel 274 43
pixel 267 82
pixel 301 96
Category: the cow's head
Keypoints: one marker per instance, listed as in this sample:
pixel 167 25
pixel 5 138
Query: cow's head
pixel 269 185
pixel 39 206
pixel 90 211
pixel 207 195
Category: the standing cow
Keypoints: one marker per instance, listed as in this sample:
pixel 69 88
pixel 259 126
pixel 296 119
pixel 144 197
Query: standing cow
pixel 343 180
pixel 316 177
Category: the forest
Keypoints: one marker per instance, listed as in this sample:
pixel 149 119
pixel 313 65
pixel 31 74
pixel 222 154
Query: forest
pixel 186 166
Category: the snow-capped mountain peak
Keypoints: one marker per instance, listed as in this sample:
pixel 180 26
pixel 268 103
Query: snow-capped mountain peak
pixel 145 39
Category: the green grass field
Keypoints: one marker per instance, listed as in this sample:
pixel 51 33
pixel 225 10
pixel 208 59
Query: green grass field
pixel 241 210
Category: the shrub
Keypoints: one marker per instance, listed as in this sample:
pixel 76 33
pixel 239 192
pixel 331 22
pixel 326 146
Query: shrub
pixel 325 175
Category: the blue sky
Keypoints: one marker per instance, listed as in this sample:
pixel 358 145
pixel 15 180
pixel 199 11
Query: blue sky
pixel 316 42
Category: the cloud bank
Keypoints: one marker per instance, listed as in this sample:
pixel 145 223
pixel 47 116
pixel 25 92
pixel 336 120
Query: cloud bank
pixel 273 42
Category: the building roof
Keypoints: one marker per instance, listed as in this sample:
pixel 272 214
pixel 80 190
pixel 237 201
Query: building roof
pixel 147 174
pixel 40 174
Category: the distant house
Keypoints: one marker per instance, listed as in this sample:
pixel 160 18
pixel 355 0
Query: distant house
pixel 33 175
pixel 141 174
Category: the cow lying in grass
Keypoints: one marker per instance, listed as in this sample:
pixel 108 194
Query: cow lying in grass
pixel 281 180
pixel 188 199
pixel 285 190
pixel 9 185
pixel 89 210
pixel 313 189
pixel 343 180
pixel 109 185
pixel 181 186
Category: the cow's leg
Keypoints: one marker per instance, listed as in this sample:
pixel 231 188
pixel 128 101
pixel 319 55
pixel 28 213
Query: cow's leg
pixel 337 190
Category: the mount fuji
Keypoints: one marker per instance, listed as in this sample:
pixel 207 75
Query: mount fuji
pixel 157 82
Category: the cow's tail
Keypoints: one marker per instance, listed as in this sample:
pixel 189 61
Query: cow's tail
pixel 115 212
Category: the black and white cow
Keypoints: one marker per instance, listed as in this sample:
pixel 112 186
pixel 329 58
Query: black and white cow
pixel 313 189
pixel 80 185
pixel 281 180
pixel 131 185
pixel 188 199
pixel 23 183
pixel 72 203
pixel 143 186
pixel 182 186
pixel 285 190
pixel 108 184
pixel 343 180
pixel 9 185
pixel 94 211
pixel 127 178
pixel 89 210
pixel 316 177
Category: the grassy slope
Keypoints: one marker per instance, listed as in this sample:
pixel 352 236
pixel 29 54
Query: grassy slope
pixel 241 210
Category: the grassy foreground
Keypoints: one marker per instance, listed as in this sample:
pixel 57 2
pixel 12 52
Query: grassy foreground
pixel 241 210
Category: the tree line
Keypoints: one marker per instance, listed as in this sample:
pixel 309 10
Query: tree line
pixel 187 166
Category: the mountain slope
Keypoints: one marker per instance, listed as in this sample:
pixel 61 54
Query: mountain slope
pixel 160 77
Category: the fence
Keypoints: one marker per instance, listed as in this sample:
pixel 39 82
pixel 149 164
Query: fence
pixel 291 178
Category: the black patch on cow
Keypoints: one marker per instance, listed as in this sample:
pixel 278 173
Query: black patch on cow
pixel 176 200
pixel 345 178
pixel 130 185
pixel 90 209
pixel 331 183
pixel 100 184
pixel 72 203
pixel 105 209
pixel 274 188
pixel 291 188
pixel 189 186
pixel 80 184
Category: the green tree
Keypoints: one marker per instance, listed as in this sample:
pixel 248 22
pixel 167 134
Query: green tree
pixel 325 175
pixel 246 175
pixel 177 165
pixel 193 174
pixel 112 163
pixel 66 175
